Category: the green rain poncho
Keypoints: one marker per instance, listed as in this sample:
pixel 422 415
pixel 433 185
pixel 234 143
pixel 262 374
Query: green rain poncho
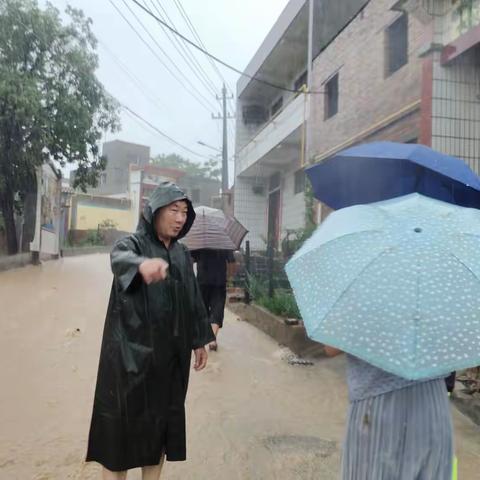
pixel 149 334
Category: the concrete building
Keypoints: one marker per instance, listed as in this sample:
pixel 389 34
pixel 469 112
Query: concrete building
pixel 400 70
pixel 201 190
pixel 271 132
pixel 451 78
pixel 406 71
pixel 125 186
pixel 120 155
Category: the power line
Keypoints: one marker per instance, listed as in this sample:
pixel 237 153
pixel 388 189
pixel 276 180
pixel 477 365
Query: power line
pixel 166 55
pixel 195 33
pixel 128 109
pixel 135 80
pixel 158 57
pixel 218 60
pixel 160 132
pixel 195 66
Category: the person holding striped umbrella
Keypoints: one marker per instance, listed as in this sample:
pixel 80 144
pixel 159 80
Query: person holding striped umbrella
pixel 212 240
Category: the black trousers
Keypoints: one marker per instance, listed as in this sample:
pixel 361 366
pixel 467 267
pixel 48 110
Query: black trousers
pixel 214 298
pixel 450 382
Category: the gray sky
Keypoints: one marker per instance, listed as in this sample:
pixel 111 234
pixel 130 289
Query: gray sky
pixel 232 30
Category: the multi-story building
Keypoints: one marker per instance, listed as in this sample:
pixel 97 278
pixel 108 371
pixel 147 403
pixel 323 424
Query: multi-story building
pixel 271 121
pixel 120 155
pixel 405 71
pixel 400 70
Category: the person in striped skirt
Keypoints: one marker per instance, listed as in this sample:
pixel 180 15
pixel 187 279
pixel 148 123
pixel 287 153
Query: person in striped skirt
pixel 397 429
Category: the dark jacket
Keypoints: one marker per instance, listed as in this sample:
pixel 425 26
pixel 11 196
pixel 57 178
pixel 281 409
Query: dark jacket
pixel 149 334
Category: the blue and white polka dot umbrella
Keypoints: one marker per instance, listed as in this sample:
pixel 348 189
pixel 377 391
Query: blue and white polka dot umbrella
pixel 395 283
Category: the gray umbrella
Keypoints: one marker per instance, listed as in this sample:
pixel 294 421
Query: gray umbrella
pixel 214 230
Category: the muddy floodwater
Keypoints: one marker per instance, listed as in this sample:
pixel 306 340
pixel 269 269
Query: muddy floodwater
pixel 250 415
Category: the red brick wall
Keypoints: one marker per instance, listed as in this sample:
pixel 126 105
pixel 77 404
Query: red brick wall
pixel 368 100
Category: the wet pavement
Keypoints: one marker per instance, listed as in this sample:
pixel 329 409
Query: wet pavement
pixel 250 414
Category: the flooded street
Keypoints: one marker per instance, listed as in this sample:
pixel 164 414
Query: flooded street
pixel 250 415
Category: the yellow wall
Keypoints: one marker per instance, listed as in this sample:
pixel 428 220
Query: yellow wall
pixel 89 217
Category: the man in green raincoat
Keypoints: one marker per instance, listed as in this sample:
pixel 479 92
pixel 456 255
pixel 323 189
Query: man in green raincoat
pixel 155 319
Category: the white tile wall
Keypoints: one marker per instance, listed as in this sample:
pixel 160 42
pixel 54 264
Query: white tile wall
pixel 456 108
pixel 293 205
pixel 456 101
pixel 250 209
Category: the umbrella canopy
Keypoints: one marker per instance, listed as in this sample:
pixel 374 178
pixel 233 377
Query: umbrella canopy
pixel 213 230
pixel 378 171
pixel 396 283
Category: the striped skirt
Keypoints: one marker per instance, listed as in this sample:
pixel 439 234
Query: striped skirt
pixel 405 434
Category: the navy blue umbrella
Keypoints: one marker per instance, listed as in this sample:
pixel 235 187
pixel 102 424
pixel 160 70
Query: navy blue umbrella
pixel 378 171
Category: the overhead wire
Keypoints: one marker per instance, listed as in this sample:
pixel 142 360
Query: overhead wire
pixel 192 62
pixel 218 60
pixel 157 56
pixel 160 132
pixel 173 63
pixel 142 87
pixel 129 110
pixel 196 35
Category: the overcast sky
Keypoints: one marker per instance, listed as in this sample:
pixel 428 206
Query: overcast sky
pixel 230 29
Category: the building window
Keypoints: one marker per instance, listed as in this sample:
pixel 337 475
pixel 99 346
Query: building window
pixel 274 182
pixel 254 114
pixel 195 195
pixel 276 107
pixel 396 45
pixel 299 184
pixel 103 179
pixel 300 81
pixel 331 97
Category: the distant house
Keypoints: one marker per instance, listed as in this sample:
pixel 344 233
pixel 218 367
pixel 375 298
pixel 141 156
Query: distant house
pixel 120 155
pixel 201 190
pixel 125 187
pixel 404 71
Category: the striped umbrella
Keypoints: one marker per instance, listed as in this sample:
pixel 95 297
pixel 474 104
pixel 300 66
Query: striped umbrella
pixel 213 230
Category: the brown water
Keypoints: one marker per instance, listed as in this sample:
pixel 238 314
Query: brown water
pixel 250 415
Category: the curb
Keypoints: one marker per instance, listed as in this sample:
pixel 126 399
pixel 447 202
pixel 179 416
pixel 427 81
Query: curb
pixel 10 262
pixel 469 407
pixel 76 251
pixel 292 336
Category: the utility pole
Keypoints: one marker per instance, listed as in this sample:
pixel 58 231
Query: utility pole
pixel 308 98
pixel 225 116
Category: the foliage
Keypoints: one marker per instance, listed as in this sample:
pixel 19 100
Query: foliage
pixel 94 238
pixel 282 302
pixel 52 107
pixel 294 239
pixel 470 378
pixel 107 223
pixel 468 15
pixel 210 169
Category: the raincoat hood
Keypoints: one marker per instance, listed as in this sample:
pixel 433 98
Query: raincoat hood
pixel 165 194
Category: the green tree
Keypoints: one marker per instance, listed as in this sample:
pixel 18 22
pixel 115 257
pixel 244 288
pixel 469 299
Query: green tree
pixel 52 107
pixel 209 169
